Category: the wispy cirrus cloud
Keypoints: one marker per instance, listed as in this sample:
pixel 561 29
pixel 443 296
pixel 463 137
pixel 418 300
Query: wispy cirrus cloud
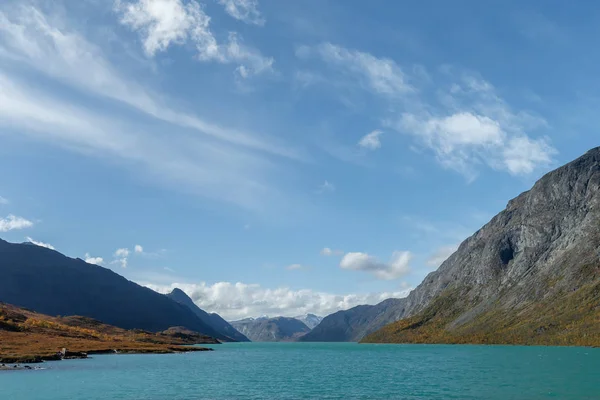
pixel 379 75
pixel 327 252
pixel 214 162
pixel 243 10
pixel 371 141
pixel 164 23
pixel 326 187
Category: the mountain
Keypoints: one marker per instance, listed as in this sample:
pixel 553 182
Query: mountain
pixel 214 320
pixel 310 320
pixel 279 329
pixel 50 283
pixel 353 324
pixel 529 276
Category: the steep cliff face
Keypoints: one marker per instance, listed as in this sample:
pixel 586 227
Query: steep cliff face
pixel 538 256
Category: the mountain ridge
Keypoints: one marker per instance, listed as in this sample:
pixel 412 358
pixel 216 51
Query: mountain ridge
pixel 544 245
pixel 51 283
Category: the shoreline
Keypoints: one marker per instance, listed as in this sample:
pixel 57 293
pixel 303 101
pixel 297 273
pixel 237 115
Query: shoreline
pixel 15 363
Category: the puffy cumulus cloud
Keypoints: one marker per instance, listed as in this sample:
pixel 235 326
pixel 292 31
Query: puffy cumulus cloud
pixel 371 141
pixel 440 255
pixel 240 300
pixel 138 249
pixel 329 252
pixel 243 10
pixel 93 260
pixel 398 266
pixel 41 244
pixel 473 126
pixel 121 256
pixel 12 222
pixel 162 23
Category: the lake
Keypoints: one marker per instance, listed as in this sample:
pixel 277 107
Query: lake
pixel 320 371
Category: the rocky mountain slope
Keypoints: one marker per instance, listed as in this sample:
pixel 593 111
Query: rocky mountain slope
pixel 50 283
pixel 214 320
pixel 279 329
pixel 310 320
pixel 531 275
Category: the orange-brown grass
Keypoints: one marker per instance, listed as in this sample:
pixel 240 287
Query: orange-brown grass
pixel 26 336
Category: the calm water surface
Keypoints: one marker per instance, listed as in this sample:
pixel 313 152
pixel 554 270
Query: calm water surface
pixel 320 371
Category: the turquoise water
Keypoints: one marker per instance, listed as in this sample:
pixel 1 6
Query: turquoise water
pixel 320 371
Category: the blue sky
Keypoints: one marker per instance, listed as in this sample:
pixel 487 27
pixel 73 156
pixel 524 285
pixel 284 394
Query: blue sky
pixel 279 157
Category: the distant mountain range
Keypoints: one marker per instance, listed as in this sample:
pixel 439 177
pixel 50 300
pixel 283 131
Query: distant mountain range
pixel 310 320
pixel 278 329
pixel 48 282
pixel 529 276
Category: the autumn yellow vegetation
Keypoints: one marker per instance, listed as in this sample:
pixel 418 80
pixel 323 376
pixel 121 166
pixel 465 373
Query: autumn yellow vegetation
pixel 26 336
pixel 562 318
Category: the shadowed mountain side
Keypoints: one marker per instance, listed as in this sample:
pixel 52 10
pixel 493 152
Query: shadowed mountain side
pixel 50 283
pixel 214 320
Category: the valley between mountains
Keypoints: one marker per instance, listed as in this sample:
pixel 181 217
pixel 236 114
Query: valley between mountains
pixel 530 276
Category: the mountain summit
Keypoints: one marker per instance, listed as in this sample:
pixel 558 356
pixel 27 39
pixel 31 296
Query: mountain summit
pixel 531 275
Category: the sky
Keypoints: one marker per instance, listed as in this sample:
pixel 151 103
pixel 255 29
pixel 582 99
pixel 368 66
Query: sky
pixel 283 157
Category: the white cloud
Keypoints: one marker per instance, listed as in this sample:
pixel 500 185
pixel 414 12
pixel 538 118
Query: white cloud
pixel 371 141
pixel 3 200
pixel 121 256
pixel 326 187
pixel 12 222
pixel 29 37
pixel 122 252
pixel 455 114
pixel 243 10
pixel 41 244
pixel 295 267
pixel 93 260
pixel 138 249
pixel 522 154
pixel 215 162
pixel 329 252
pixel 379 75
pixel 162 23
pixel 240 300
pixel 398 266
pixel 441 255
